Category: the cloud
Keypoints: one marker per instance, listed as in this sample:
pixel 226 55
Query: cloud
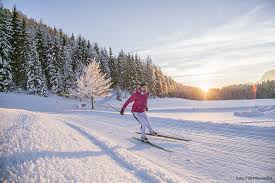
pixel 220 55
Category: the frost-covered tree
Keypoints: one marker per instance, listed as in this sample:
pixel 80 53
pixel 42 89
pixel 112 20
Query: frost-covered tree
pixel 92 83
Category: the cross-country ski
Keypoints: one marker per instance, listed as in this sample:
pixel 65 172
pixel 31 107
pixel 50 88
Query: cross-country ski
pixel 166 136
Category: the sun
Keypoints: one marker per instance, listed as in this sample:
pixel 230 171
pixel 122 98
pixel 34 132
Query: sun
pixel 205 87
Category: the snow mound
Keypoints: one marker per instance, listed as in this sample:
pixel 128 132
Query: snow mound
pixel 263 111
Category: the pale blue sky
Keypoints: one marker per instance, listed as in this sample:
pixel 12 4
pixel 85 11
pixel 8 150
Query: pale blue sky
pixel 199 42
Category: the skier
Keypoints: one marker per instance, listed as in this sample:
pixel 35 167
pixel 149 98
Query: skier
pixel 139 107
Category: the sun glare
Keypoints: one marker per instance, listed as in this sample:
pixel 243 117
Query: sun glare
pixel 205 87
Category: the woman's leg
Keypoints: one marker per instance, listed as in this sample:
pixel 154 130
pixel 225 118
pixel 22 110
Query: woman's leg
pixel 147 122
pixel 141 120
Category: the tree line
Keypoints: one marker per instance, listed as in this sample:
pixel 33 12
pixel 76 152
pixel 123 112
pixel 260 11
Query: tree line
pixel 42 60
pixel 265 89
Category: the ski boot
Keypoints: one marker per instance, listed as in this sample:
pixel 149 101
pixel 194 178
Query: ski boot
pixel 144 139
pixel 154 133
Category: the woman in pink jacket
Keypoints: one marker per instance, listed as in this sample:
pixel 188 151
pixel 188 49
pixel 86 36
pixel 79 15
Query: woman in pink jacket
pixel 139 107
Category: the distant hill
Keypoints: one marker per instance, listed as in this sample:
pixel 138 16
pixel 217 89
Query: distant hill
pixel 269 75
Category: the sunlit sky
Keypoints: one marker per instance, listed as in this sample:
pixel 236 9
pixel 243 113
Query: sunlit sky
pixel 201 43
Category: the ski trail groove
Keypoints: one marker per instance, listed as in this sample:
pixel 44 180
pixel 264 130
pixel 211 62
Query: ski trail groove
pixel 143 172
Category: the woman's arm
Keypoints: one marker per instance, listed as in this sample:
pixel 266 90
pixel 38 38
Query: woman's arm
pixel 131 99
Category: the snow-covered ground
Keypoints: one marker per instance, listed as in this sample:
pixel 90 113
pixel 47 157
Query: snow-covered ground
pixel 53 139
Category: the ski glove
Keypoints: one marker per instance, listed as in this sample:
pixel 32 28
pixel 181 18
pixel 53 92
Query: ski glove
pixel 146 109
pixel 122 112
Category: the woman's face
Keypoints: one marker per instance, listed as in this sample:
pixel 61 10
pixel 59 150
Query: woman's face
pixel 144 88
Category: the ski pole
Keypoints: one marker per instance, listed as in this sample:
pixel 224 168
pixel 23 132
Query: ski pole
pixel 117 110
pixel 113 108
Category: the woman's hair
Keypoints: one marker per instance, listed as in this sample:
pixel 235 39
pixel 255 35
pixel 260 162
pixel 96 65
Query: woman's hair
pixel 143 83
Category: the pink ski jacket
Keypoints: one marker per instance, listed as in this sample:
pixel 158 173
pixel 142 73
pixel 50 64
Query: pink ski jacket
pixel 140 101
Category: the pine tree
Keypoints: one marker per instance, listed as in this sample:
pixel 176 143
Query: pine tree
pixel 165 85
pixel 85 48
pixel 35 81
pixel 131 77
pixel 103 59
pixel 96 51
pixel 139 69
pixel 43 53
pixel 150 76
pixel 120 70
pixel 56 68
pixel 24 38
pixel 113 68
pixel 5 49
pixel 47 55
pixel 68 74
pixel 17 46
pixel 91 52
pixel 159 84
pixel 77 58
pixel 136 71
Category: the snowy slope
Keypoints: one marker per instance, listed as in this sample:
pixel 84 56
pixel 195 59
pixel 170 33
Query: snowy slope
pixel 50 139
